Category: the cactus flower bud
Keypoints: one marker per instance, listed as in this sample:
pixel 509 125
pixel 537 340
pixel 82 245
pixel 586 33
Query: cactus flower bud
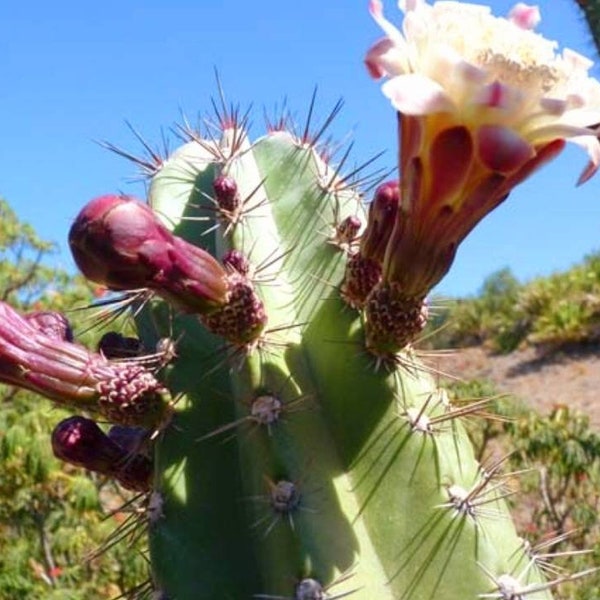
pixel 227 195
pixel 119 242
pixel 381 221
pixel 80 442
pixel 363 269
pixel 237 262
pixel 71 375
pixel 113 345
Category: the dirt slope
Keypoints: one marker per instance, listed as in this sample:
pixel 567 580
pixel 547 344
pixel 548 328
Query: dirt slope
pixel 570 377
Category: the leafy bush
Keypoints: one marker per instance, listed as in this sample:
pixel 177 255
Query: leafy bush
pixel 547 312
pixel 558 459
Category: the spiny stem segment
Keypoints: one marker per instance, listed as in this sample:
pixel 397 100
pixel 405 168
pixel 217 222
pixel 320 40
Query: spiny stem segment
pixel 291 468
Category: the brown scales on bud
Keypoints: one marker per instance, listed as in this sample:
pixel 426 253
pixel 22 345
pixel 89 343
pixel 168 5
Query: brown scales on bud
pixel 392 320
pixel 361 276
pixel 243 319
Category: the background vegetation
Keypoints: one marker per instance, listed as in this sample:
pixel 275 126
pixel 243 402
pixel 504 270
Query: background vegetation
pixel 546 312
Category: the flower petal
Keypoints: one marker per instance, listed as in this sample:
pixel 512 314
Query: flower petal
pixel 524 16
pixel 554 106
pixel 376 10
pixel 592 147
pixel 415 94
pixel 385 58
pixel 501 149
pixel 565 131
pixel 498 95
pixel 450 159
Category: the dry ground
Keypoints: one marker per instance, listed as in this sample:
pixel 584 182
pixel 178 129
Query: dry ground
pixel 543 380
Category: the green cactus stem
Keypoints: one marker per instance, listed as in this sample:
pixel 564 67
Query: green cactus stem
pixel 298 464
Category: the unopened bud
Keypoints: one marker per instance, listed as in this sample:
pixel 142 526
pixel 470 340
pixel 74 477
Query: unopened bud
pixel 237 261
pixel 226 193
pixel 382 218
pixel 119 242
pixel 80 442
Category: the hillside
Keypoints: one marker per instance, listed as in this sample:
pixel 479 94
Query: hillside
pixel 569 376
pixel 538 340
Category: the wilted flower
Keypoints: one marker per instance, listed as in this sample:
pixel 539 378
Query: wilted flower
pixel 483 102
pixel 71 375
pixel 51 323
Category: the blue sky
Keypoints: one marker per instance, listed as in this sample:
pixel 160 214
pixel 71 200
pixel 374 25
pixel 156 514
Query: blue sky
pixel 73 72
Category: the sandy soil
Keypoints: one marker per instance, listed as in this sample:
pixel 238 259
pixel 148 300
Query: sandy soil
pixel 543 380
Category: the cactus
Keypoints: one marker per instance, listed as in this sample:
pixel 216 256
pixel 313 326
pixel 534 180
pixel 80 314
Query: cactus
pixel 298 463
pixel 301 448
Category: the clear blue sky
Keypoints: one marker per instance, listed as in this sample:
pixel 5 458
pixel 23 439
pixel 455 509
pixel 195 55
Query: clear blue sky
pixel 72 72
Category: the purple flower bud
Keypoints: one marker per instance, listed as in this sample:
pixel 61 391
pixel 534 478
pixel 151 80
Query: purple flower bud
pixel 226 193
pixel 382 218
pixel 119 242
pixel 53 324
pixel 80 442
pixel 114 345
pixel 237 262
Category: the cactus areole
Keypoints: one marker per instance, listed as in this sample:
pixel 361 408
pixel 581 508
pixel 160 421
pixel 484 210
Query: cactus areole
pixel 307 453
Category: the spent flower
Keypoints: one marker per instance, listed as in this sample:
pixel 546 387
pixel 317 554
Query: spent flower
pixel 71 375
